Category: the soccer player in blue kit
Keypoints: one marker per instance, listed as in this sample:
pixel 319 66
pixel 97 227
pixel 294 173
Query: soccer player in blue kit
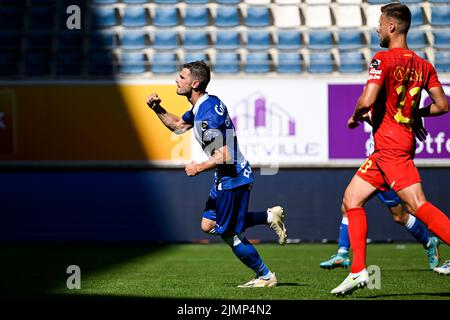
pixel 226 209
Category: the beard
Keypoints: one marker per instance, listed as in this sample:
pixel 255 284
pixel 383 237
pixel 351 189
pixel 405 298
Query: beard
pixel 384 42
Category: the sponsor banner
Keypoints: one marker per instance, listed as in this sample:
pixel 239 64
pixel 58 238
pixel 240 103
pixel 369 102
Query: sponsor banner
pixel 356 144
pixel 278 122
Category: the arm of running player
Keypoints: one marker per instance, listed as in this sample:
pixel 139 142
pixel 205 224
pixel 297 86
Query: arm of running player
pixel 172 122
pixel 364 104
pixel 438 106
pixel 220 156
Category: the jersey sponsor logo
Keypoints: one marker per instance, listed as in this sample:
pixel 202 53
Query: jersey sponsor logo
pixel 219 109
pixel 375 63
pixel 375 74
pixel 401 74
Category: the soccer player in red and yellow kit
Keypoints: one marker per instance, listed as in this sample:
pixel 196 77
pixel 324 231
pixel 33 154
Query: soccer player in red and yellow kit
pixel 396 79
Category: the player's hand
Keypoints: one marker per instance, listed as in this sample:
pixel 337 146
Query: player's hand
pixel 351 123
pixel 418 128
pixel 153 101
pixel 191 169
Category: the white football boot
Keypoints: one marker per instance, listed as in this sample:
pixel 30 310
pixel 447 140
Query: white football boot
pixel 278 224
pixel 444 269
pixel 351 283
pixel 261 282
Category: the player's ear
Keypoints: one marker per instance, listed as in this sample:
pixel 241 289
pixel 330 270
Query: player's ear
pixel 195 84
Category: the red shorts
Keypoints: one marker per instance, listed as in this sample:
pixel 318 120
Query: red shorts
pixel 389 169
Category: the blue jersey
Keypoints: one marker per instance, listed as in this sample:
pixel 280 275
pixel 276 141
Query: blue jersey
pixel 213 129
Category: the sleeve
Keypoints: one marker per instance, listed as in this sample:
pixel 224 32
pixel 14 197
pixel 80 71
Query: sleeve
pixel 377 70
pixel 188 117
pixel 433 80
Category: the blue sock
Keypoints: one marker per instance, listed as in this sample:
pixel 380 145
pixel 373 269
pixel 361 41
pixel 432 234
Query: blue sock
pixel 344 239
pixel 247 253
pixel 417 230
pixel 255 218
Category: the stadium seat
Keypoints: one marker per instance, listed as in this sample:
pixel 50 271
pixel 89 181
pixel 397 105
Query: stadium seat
pixel 318 16
pixel 196 1
pixel 412 1
pixel 321 62
pixel 9 63
pixel 227 62
pixel 287 2
pixel 165 17
pixel 417 17
pixel 287 16
pixel 374 41
pixel 135 17
pixel 258 40
pixel 100 2
pixel 257 17
pixel 441 39
pixel 227 40
pixel 373 15
pixel 38 40
pixel 320 40
pixel 440 16
pixel 101 63
pixel 132 63
pixel 196 17
pixel 257 62
pixel 416 39
pixel 190 56
pixel 227 16
pixel 348 16
pixel 102 40
pixel 289 40
pixel 164 63
pixel 11 18
pixel 228 2
pixel 257 2
pixel 133 40
pixel 289 62
pixel 439 1
pixel 41 18
pixel 350 39
pixel 195 40
pixel 314 2
pixel 165 40
pixel 69 63
pixel 352 62
pixel 38 63
pixel 103 17
pixel 135 1
pixel 165 1
pixel 442 61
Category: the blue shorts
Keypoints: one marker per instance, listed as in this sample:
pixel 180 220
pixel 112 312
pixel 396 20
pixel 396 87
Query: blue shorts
pixel 389 198
pixel 228 208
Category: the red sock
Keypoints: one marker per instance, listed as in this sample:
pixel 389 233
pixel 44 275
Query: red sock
pixel 436 221
pixel 357 230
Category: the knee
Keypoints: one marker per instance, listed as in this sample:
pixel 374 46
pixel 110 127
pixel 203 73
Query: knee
pixel 400 218
pixel 207 225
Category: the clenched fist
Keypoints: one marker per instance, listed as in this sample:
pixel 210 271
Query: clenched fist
pixel 153 100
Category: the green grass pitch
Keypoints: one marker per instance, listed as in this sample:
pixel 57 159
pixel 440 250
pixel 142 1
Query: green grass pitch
pixel 209 271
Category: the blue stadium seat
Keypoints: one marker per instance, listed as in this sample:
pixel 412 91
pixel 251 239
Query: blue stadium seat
pixel 321 62
pixel 102 40
pixel 440 16
pixel 9 63
pixel 135 1
pixel 227 40
pixel 69 63
pixel 100 2
pixel 165 1
pixel 10 40
pixel 196 1
pixel 190 56
pixel 132 63
pixel 439 1
pixel 352 62
pixel 165 40
pixel 416 39
pixel 133 40
pixel 258 40
pixel 195 40
pixel 228 2
pixel 164 62
pixel 289 40
pixel 320 40
pixel 374 41
pixel 227 62
pixel 349 40
pixel 442 61
pixel 441 39
pixel 37 63
pixel 72 40
pixel 11 18
pixel 289 62
pixel 257 62
pixel 103 17
pixel 101 63
pixel 412 1
pixel 227 16
pixel 41 18
pixel 165 17
pixel 257 17
pixel 135 17
pixel 38 40
pixel 417 16
pixel 196 17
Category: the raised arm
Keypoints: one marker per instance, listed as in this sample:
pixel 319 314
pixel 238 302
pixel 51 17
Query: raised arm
pixel 172 122
pixel 365 102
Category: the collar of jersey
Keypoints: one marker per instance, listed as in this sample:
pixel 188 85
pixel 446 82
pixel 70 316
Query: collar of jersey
pixel 199 102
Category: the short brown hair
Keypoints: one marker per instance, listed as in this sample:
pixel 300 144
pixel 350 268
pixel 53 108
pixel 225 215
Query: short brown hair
pixel 400 13
pixel 200 71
